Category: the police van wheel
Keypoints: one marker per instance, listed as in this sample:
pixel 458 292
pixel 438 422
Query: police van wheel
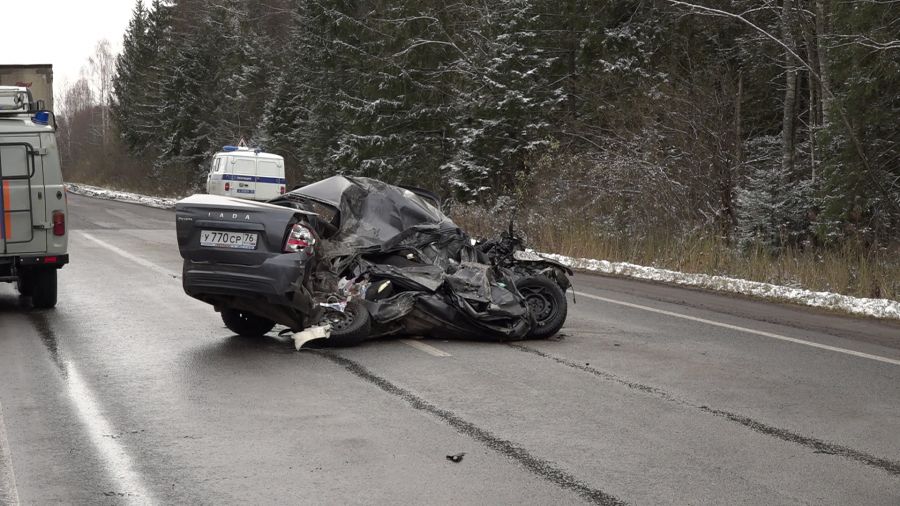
pixel 43 288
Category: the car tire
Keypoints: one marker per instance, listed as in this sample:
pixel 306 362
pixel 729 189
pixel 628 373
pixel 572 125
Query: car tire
pixel 41 285
pixel 246 324
pixel 349 327
pixel 547 303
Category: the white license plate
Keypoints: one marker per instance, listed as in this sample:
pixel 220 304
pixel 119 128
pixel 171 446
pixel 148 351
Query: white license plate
pixel 235 240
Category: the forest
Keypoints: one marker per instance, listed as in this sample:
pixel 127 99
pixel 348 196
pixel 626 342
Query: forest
pixel 754 138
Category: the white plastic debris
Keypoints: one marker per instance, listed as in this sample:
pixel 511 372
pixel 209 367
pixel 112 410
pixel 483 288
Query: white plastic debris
pixel 311 334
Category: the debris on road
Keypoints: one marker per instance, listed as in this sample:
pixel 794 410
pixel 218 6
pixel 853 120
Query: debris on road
pixel 303 337
pixel 456 458
pixel 363 259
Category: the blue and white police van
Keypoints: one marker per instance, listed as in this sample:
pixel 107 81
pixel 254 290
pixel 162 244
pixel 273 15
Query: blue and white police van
pixel 246 173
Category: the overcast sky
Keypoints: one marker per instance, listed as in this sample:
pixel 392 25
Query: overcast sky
pixel 62 32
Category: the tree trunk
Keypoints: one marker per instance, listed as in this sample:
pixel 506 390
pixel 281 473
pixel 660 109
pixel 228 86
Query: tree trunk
pixel 727 193
pixel 790 88
pixel 822 52
pixel 812 85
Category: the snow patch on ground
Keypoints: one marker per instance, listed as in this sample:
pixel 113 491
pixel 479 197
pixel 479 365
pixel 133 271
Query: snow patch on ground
pixel 134 198
pixel 878 308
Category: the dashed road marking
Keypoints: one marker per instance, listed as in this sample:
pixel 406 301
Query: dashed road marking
pixel 136 259
pixel 9 494
pixel 746 330
pixel 431 350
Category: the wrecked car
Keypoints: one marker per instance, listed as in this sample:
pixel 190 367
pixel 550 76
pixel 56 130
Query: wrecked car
pixel 354 258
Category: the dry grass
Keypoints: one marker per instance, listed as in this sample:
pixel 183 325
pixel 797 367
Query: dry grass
pixel 850 270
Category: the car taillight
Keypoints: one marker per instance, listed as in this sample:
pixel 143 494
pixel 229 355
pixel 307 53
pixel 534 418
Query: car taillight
pixel 281 190
pixel 299 238
pixel 227 186
pixel 59 223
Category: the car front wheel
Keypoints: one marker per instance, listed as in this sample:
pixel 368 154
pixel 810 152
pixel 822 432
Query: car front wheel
pixel 547 304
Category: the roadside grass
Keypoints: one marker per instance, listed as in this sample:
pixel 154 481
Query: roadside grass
pixel 849 270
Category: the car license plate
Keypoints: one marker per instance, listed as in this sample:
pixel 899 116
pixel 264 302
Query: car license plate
pixel 233 240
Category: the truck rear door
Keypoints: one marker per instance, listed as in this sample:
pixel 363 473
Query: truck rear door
pixel 269 178
pixel 243 177
pixel 22 207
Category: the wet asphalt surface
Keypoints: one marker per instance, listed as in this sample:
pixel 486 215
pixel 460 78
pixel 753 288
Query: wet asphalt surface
pixel 131 392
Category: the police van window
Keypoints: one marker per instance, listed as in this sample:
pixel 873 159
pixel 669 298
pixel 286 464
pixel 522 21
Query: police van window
pixel 245 166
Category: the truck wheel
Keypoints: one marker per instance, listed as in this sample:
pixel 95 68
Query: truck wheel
pixel 547 304
pixel 246 324
pixel 350 327
pixel 42 284
pixel 24 284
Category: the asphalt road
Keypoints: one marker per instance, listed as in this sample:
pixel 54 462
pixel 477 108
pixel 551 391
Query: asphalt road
pixel 131 392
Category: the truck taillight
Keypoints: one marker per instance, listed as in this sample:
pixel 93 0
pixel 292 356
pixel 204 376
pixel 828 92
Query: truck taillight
pixel 59 223
pixel 299 238
pixel 227 186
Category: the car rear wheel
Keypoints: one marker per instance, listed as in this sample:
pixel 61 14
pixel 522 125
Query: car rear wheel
pixel 547 304
pixel 41 285
pixel 246 324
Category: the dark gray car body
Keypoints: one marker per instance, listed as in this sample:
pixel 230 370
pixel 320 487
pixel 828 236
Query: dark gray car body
pixel 368 235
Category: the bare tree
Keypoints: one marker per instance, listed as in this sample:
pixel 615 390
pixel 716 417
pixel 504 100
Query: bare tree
pixel 102 67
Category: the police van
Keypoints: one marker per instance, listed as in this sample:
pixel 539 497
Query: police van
pixel 33 234
pixel 246 173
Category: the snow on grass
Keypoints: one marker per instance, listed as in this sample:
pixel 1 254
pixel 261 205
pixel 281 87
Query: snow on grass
pixel 878 308
pixel 107 194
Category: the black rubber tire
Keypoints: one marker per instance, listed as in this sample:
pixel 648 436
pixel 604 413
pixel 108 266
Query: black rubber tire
pixel 350 327
pixel 246 324
pixel 24 283
pixel 43 291
pixel 547 302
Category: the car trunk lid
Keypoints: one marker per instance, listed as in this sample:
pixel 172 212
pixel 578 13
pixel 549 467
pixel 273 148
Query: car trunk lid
pixel 229 230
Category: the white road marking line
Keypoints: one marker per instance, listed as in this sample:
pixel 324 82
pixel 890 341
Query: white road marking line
pixel 9 494
pixel 431 350
pixel 744 329
pixel 100 431
pixel 129 256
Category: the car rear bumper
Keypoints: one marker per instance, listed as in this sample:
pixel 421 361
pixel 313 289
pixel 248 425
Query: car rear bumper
pixel 273 280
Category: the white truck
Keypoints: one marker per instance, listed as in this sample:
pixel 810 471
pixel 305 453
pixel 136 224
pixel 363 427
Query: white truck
pixel 246 173
pixel 33 233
